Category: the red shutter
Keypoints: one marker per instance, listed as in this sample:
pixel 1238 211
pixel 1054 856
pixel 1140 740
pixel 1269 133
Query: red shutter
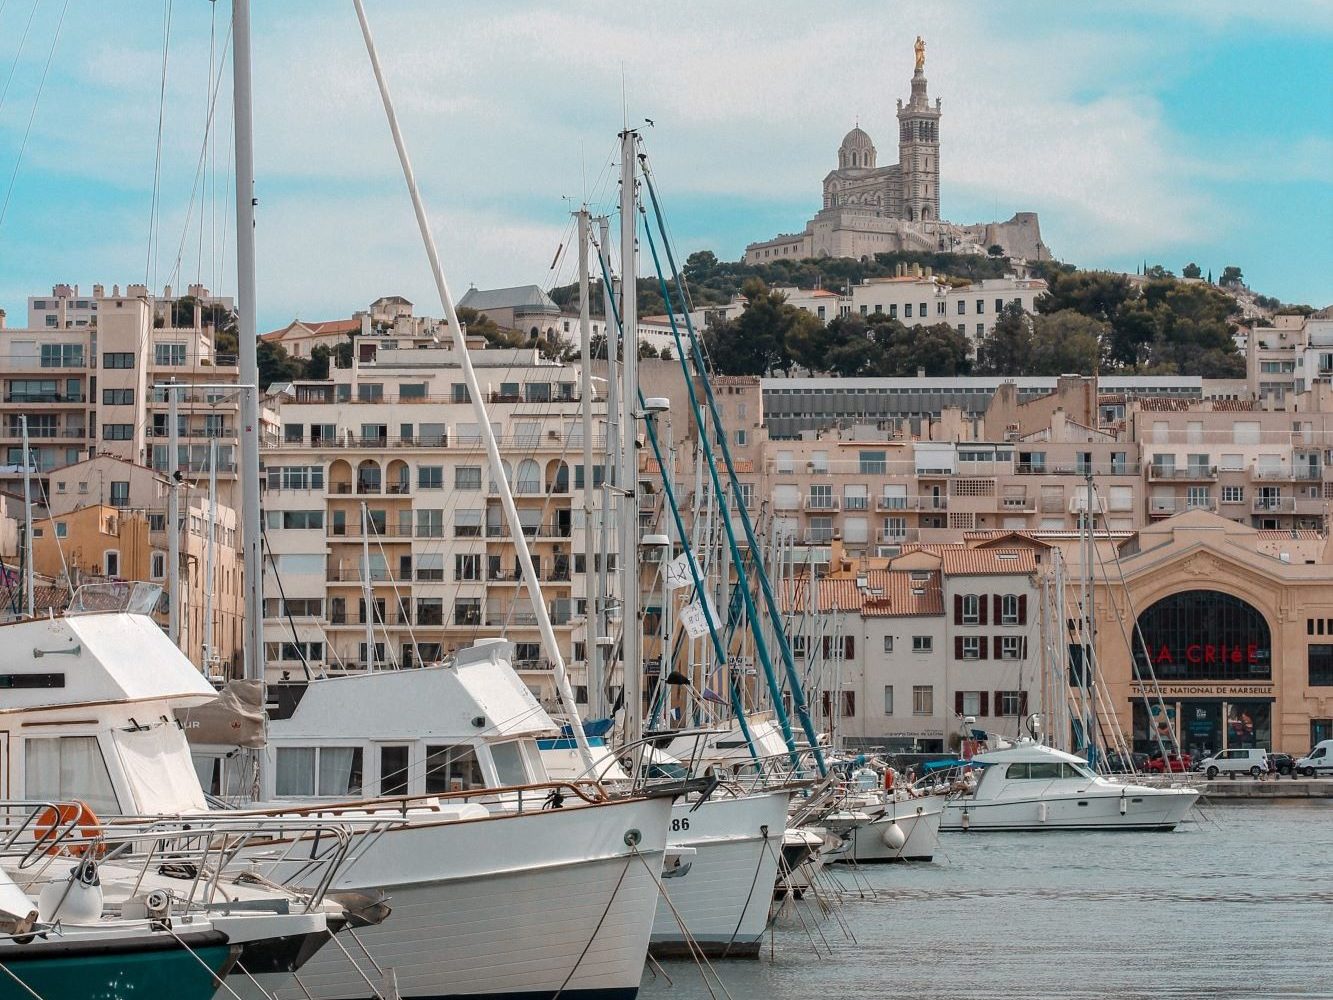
pixel 1022 703
pixel 958 647
pixel 958 703
pixel 1022 609
pixel 849 647
pixel 981 607
pixel 828 646
pixel 997 609
pixel 996 640
pixel 999 703
pixel 985 703
pixel 958 609
pixel 983 648
pixel 1023 653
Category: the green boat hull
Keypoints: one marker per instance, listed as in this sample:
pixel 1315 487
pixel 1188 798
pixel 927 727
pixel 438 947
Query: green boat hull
pixel 141 974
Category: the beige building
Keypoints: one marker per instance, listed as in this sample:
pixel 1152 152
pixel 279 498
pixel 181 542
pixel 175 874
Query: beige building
pixel 96 389
pixel 1237 636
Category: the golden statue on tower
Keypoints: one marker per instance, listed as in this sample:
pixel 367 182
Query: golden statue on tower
pixel 920 54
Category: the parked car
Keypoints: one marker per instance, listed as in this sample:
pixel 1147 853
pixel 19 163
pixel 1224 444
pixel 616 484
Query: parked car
pixel 1240 760
pixel 1318 761
pixel 1157 764
pixel 1281 763
pixel 1126 763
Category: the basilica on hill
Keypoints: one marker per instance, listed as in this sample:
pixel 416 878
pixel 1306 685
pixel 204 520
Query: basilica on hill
pixel 871 209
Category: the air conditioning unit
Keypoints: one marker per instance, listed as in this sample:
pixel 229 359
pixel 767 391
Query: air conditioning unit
pixel 553 435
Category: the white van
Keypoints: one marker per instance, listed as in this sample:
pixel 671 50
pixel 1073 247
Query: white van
pixel 1318 761
pixel 1244 760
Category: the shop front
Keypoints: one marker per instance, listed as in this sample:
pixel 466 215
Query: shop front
pixel 1203 674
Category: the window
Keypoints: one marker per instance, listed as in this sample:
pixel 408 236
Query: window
pixel 467 566
pixel 169 354
pixel 1009 609
pixel 394 770
pixel 907 310
pixel 63 356
pixel 981 329
pixel 118 359
pixel 1321 664
pixel 893 311
pixel 467 611
pixel 117 397
pixel 1233 494
pixel 971 609
pixel 999 305
pixel 962 307
pixel 333 772
pixel 62 529
pixel 296 477
pixel 922 643
pixel 888 699
pixel 120 493
pixel 370 392
pixel 158 567
pixel 467 524
pixel 1011 647
pixel 430 567
pixel 61 768
pixel 971 703
pixel 430 610
pixel 981 306
pixel 741 439
pixel 971 645
pixel 510 768
pixel 430 477
pixel 1011 703
pixel 451 769
pixel 117 432
pixel 923 699
pixel 873 462
pixel 467 477
pixel 293 433
pixel 459 393
pixel 888 644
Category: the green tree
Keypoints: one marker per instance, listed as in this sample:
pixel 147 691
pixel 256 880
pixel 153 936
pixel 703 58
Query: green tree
pixel 995 250
pixel 318 365
pixel 755 342
pixel 1067 343
pixel 1191 270
pixel 276 365
pixel 1230 276
pixel 1007 348
pixel 939 349
pixel 342 353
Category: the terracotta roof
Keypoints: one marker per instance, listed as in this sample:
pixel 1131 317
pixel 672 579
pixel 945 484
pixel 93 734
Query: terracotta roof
pixel 1234 405
pixel 991 536
pixel 735 380
pixel 1302 534
pixel 887 593
pixel 1160 405
pixel 988 562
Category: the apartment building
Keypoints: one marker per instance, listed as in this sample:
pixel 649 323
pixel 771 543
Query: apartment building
pixel 108 520
pixel 97 389
pixel 67 307
pixel 388 543
pixel 909 647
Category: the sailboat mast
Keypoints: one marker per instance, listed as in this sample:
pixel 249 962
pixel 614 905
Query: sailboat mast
pixel 209 553
pixel 247 323
pixel 367 594
pixel 28 574
pixel 173 517
pixel 552 646
pixel 594 629
pixel 632 635
pixel 1090 653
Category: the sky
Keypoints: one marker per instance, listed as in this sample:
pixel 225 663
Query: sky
pixel 1138 131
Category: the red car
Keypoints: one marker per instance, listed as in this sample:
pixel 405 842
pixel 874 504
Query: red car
pixel 1171 762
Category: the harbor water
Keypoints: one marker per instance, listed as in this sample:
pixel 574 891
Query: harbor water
pixel 1237 903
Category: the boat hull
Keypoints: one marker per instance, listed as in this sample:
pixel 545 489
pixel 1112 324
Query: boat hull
pixel 919 821
pixel 565 910
pixel 1147 809
pixel 116 970
pixel 723 900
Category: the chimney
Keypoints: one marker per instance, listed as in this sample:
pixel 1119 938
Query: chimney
pixel 99 292
pixel 198 315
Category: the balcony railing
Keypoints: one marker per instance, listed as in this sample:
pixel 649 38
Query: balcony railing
pixel 816 502
pixel 1190 473
pixel 45 397
pixel 1274 505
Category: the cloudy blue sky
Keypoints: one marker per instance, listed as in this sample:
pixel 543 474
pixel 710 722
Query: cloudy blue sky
pixel 1171 132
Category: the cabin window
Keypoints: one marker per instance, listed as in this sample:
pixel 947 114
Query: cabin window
pixel 68 767
pixel 394 770
pixel 326 771
pixel 1044 770
pixel 452 769
pixel 509 766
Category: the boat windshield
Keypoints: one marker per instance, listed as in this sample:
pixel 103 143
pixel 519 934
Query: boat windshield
pixel 1046 771
pixel 133 597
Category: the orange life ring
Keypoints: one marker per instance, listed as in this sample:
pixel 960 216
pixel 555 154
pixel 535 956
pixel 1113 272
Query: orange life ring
pixel 74 817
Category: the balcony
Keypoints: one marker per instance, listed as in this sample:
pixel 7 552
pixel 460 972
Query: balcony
pixel 28 398
pixel 1163 506
pixel 353 574
pixel 821 503
pixel 1190 473
pixel 352 529
pixel 1274 505
pixel 1286 473
pixel 1024 504
pixel 820 536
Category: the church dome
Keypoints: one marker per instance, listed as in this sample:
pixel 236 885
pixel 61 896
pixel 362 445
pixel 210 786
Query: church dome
pixel 856 150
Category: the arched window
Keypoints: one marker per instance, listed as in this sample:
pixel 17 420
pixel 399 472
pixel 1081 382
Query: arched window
pixel 529 478
pixel 1204 635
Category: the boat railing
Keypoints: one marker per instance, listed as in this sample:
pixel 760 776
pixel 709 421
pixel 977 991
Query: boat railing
pixel 202 854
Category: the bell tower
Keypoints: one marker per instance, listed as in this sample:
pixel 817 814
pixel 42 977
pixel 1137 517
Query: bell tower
pixel 919 147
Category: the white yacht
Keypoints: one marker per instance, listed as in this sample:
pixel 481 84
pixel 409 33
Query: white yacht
pixel 878 825
pixel 475 879
pixel 1030 786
